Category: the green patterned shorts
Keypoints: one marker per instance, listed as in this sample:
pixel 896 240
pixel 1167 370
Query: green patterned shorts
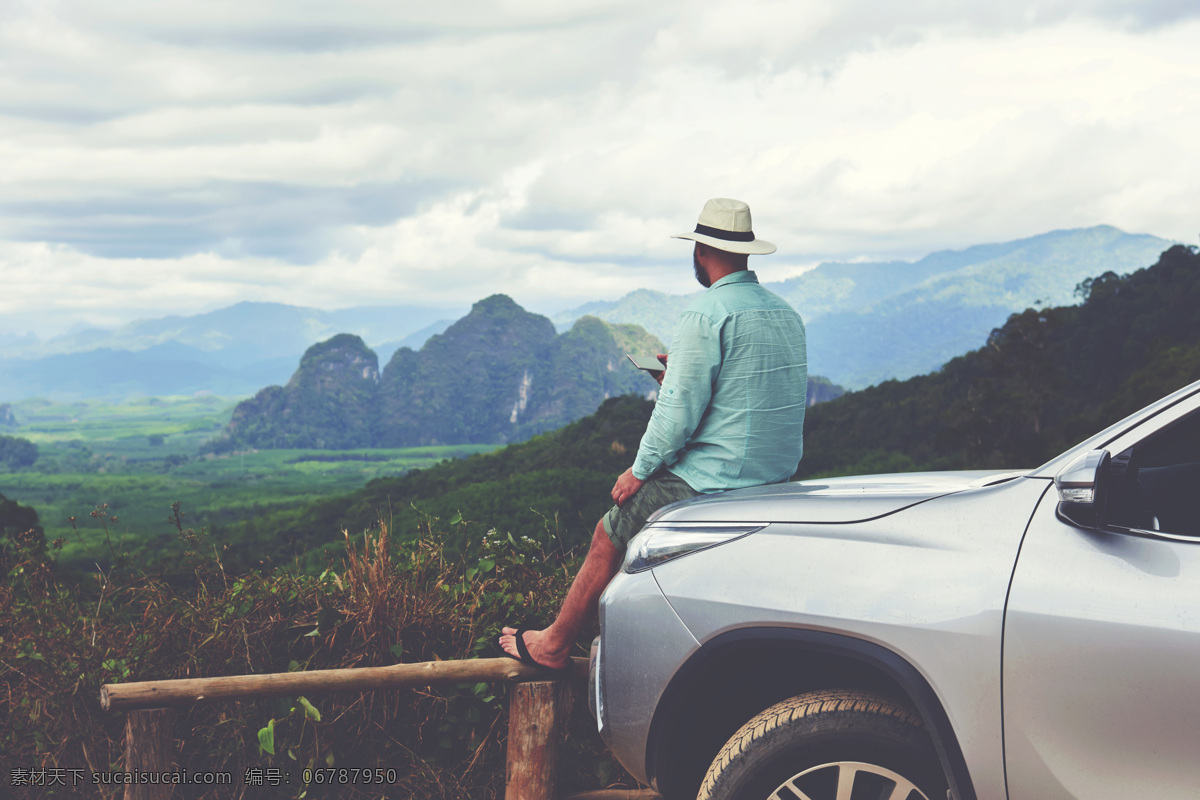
pixel 622 523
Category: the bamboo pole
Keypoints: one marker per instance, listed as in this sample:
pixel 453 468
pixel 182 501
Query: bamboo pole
pixel 615 794
pixel 148 749
pixel 537 720
pixel 188 691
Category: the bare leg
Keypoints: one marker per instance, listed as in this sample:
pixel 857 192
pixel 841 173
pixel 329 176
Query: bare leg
pixel 552 647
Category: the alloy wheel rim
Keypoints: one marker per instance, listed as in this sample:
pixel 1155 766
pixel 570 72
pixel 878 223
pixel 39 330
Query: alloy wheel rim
pixel 843 777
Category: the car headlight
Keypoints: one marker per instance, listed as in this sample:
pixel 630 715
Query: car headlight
pixel 659 543
pixel 595 693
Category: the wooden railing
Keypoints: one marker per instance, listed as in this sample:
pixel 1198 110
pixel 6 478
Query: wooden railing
pixel 538 711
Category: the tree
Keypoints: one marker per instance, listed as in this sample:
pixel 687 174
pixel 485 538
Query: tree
pixel 17 453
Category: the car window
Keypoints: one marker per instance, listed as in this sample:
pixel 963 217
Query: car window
pixel 1155 484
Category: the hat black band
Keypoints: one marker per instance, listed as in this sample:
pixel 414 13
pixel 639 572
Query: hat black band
pixel 729 236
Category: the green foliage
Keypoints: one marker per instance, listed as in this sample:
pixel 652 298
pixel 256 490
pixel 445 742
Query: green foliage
pixel 17 453
pixel 374 605
pixel 22 539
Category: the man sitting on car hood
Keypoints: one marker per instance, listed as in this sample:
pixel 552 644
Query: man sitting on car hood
pixel 730 415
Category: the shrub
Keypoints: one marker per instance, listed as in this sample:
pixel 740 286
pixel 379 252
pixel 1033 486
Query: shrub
pixel 17 453
pixel 381 604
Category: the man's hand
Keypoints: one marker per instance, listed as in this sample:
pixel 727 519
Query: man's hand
pixel 626 487
pixel 658 376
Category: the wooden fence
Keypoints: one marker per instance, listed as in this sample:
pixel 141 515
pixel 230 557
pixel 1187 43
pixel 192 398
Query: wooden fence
pixel 537 716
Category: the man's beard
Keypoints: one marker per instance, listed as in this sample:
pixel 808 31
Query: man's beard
pixel 701 275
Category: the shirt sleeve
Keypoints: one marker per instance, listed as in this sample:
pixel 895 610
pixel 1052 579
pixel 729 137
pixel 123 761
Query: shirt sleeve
pixel 692 367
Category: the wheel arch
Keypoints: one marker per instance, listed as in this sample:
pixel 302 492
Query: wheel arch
pixel 737 674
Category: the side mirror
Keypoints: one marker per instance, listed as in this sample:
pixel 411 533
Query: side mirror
pixel 1080 485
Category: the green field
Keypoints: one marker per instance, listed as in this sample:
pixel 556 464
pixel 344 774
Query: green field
pixel 140 456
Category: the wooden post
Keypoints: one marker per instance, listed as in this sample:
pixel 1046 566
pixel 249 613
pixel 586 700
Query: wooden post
pixel 537 719
pixel 148 743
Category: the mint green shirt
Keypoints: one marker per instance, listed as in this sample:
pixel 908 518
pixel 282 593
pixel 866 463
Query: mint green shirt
pixel 730 412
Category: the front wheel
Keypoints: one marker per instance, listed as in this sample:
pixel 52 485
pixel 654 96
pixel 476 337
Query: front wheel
pixel 828 745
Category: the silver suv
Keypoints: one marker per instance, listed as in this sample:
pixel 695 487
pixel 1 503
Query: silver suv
pixel 1029 635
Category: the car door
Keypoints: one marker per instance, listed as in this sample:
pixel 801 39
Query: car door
pixel 1101 657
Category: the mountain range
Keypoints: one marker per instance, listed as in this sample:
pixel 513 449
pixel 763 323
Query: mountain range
pixel 499 374
pixel 867 322
pixel 873 321
pixel 231 351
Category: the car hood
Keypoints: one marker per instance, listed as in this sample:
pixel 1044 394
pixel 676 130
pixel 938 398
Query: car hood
pixel 829 500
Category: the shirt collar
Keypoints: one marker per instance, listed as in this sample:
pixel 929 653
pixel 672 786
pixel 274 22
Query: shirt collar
pixel 741 276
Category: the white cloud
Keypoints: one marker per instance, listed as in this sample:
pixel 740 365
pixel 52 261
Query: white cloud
pixel 182 156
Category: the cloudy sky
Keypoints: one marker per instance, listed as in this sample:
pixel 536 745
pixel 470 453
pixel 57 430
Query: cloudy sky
pixel 173 157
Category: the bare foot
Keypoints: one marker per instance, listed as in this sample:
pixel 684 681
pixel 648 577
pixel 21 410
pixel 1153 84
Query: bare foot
pixel 540 645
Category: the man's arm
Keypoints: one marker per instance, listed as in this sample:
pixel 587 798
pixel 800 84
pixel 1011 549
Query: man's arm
pixel 695 361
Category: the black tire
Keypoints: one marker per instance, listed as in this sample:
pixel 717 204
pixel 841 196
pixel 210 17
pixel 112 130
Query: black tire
pixel 802 747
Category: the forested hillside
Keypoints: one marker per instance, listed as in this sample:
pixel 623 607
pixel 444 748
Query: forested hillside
pixel 552 488
pixel 1044 381
pixel 502 374
pixel 331 402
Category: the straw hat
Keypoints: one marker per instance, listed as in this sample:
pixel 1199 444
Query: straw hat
pixel 725 225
